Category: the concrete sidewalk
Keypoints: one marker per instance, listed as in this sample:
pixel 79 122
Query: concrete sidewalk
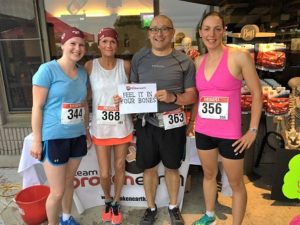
pixel 260 210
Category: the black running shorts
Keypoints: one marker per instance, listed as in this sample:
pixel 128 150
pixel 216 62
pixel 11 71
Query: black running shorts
pixel 204 142
pixel 155 144
pixel 59 151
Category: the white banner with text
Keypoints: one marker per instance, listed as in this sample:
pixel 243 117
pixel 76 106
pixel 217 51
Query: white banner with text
pixel 88 192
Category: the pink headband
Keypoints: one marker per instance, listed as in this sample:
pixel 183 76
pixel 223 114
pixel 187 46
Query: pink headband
pixel 107 32
pixel 72 32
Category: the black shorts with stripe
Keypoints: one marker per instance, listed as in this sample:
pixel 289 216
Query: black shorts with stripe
pixel 59 151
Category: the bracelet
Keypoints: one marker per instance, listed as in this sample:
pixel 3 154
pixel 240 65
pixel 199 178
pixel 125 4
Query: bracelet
pixel 175 98
pixel 253 129
pixel 87 128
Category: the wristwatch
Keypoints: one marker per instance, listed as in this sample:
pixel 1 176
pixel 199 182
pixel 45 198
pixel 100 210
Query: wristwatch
pixel 253 129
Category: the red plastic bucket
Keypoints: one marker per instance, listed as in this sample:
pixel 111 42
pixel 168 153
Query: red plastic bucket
pixel 295 221
pixel 32 204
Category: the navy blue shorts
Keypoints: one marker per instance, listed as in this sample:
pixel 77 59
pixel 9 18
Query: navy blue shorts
pixel 155 144
pixel 58 151
pixel 204 142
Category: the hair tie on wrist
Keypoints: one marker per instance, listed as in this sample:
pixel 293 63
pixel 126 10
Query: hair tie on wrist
pixel 175 98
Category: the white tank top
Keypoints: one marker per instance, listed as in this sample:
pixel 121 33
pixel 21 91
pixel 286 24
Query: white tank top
pixel 104 85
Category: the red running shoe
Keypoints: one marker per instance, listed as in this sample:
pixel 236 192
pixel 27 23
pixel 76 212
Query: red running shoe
pixel 107 212
pixel 116 214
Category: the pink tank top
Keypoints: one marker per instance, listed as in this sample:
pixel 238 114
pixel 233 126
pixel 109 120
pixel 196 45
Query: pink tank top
pixel 219 111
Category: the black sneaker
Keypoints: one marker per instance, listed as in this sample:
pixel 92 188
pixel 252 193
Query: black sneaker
pixel 175 216
pixel 149 217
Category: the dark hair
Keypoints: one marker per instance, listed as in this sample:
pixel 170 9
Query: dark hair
pixel 212 13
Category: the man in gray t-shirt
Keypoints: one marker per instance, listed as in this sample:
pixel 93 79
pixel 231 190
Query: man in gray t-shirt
pixel 162 136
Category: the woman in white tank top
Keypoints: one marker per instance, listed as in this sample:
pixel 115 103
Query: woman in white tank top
pixel 109 129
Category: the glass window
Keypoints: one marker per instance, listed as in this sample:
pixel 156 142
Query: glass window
pixel 129 17
pixel 185 17
pixel 20 52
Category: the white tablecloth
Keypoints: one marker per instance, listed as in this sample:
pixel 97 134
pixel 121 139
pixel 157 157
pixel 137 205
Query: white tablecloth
pixel 30 168
pixel 87 182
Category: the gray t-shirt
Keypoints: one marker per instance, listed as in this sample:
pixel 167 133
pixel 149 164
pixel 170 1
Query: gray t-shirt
pixel 174 72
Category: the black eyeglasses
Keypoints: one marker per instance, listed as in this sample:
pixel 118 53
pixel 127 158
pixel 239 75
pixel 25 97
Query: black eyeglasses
pixel 156 30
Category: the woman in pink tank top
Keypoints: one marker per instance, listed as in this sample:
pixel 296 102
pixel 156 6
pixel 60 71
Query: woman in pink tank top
pixel 218 115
